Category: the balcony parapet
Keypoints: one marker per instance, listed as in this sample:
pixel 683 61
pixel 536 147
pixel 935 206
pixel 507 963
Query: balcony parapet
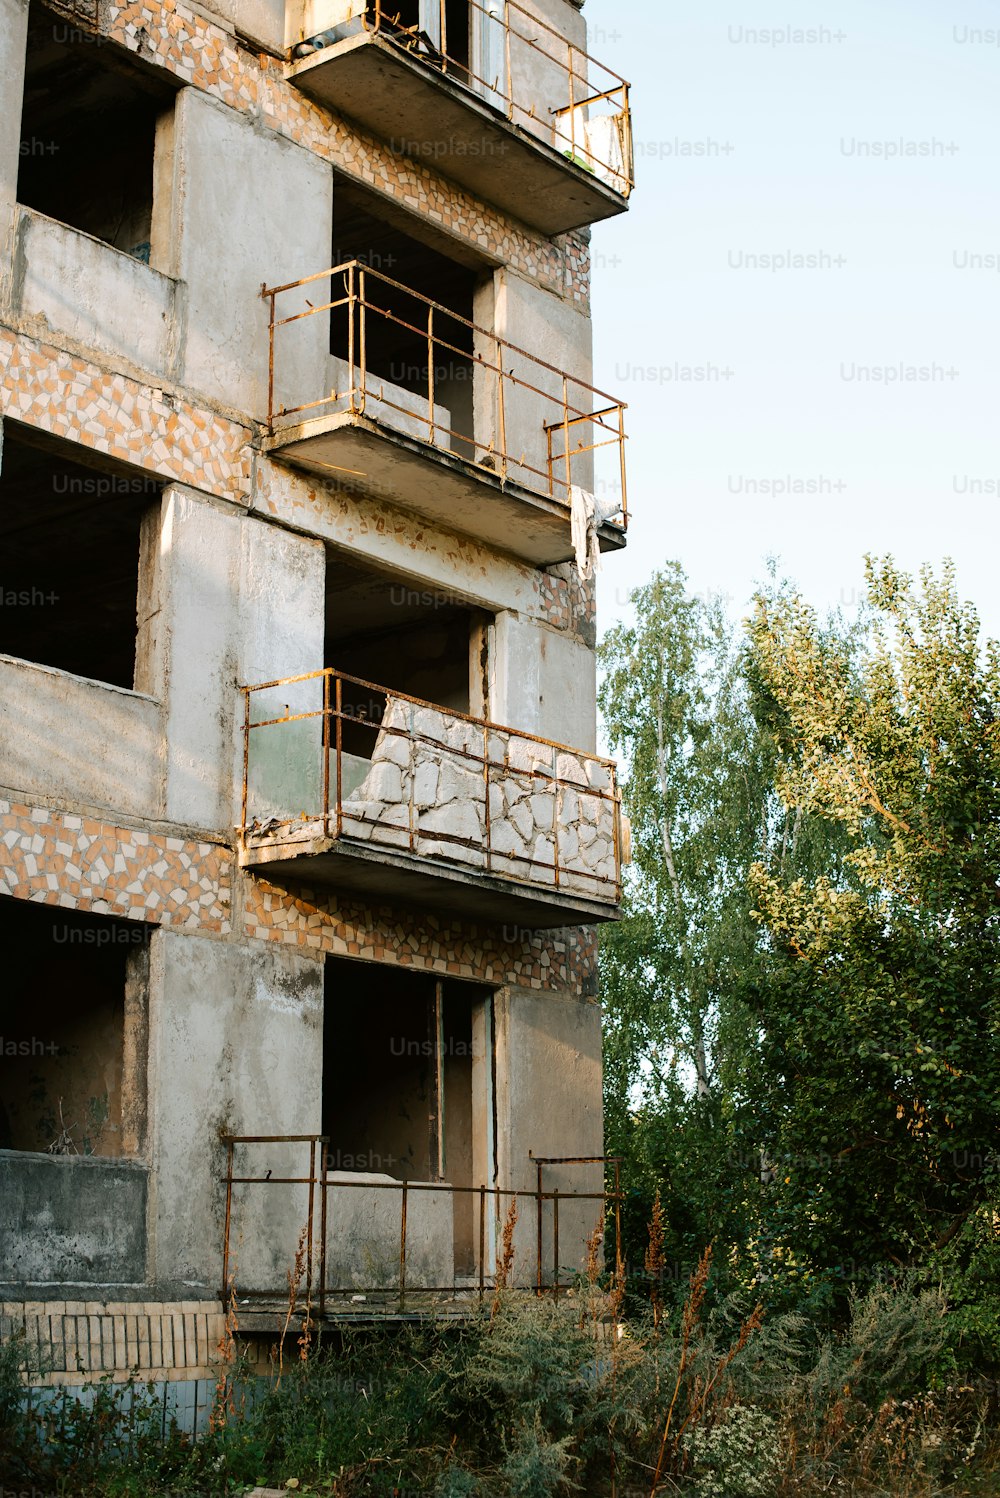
pixel 504 104
pixel 423 804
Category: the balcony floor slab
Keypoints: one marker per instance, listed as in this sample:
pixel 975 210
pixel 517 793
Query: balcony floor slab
pixel 376 460
pixel 426 114
pixel 398 877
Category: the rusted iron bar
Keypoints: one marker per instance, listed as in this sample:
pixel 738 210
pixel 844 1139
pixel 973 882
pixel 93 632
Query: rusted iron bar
pixel 482 1244
pixel 402 1251
pixel 538 1286
pixel 228 1226
pixel 555 1243
pixel 370 686
pixel 309 1221
pixel 365 273
pixel 322 1230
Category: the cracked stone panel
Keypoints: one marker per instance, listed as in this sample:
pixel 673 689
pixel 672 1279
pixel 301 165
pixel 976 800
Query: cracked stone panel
pixel 514 817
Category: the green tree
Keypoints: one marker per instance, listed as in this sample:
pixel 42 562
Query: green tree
pixel 681 1046
pixel 879 1012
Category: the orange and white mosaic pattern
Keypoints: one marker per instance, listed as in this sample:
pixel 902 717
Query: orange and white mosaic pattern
pixel 69 397
pixel 81 863
pixel 324 923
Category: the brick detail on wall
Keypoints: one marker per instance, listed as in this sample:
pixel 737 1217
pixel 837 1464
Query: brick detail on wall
pixel 76 1342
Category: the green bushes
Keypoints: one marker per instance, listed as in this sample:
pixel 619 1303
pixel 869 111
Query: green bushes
pixel 542 1400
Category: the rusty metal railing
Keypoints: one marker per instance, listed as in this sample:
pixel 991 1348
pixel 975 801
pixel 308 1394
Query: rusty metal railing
pixel 549 1276
pixel 569 421
pixel 504 48
pixel 494 767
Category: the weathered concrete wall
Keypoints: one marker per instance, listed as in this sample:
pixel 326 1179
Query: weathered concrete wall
pixel 247 207
pixel 281 621
pixel 71 1219
pixel 13 34
pixel 390 404
pixel 544 682
pixel 235 1045
pixel 549 1103
pixel 188 650
pixel 555 332
pixel 261 21
pixel 83 741
pixel 68 283
pixel 539 64
pixel 365 1234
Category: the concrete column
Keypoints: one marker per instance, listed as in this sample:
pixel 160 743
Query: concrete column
pixel 549 1103
pixel 187 649
pixel 245 207
pixel 543 682
pixel 235 1045
pixel 13 43
pixel 555 332
pixel 282 617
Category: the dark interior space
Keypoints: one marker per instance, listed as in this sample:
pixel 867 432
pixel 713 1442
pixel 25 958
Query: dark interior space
pixel 395 635
pixel 418 27
pixel 396 321
pixel 398 1079
pixel 87 133
pixel 69 539
pixel 62 1027
pixel 457 41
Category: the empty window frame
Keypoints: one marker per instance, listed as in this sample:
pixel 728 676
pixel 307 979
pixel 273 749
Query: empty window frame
pixel 88 128
pixel 407 1082
pixel 72 1031
pixel 69 540
pixel 396 346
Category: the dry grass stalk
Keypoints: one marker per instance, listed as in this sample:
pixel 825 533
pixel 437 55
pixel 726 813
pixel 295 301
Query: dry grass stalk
pixel 689 1324
pixel 656 1260
pixel 594 1243
pixel 295 1276
pixel 505 1268
pixel 223 1403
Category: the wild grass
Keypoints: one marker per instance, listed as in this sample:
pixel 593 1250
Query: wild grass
pixel 538 1399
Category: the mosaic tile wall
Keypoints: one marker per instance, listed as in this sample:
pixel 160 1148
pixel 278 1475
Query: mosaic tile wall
pixel 206 56
pixel 72 398
pixel 80 863
pixel 324 922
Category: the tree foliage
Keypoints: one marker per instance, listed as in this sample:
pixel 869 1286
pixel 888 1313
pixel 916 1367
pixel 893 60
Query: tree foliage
pixel 880 1013
pixel 802 999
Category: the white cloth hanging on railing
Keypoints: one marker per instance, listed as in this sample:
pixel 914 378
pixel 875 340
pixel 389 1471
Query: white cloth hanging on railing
pixel 587 515
pixel 598 143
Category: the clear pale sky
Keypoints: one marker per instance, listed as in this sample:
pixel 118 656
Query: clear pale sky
pixel 874 148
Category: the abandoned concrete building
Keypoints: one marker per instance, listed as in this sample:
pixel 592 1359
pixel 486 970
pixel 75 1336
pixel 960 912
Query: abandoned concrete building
pixel 304 838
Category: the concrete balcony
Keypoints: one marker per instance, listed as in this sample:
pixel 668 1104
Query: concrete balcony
pixel 377 1247
pixel 495 99
pixel 70 283
pixel 427 410
pixel 422 806
pixel 71 1219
